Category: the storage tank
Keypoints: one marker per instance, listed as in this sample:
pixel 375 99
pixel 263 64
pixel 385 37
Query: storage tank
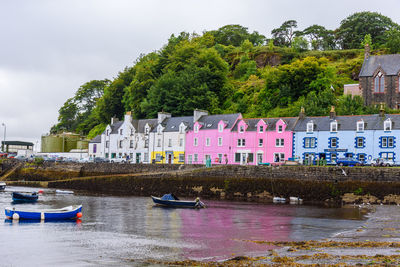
pixel 52 143
pixel 82 144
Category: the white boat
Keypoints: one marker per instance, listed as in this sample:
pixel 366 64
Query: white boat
pixel 295 200
pixel 2 186
pixel 64 192
pixel 279 200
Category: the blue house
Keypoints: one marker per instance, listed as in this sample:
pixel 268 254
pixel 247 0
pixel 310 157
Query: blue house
pixel 363 137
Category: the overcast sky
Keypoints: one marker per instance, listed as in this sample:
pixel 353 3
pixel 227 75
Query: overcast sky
pixel 51 47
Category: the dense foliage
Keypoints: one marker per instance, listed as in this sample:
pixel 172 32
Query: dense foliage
pixel 232 70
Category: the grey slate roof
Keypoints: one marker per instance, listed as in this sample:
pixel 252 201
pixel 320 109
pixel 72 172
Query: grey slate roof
pixel 115 127
pixel 349 123
pixel 271 122
pixel 211 121
pixel 142 124
pixel 390 64
pixel 97 139
pixel 172 124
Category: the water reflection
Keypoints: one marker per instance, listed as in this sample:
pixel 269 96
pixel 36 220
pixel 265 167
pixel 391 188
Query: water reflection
pixel 115 230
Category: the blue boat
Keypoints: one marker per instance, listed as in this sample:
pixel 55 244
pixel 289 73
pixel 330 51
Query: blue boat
pixel 28 197
pixel 70 212
pixel 170 200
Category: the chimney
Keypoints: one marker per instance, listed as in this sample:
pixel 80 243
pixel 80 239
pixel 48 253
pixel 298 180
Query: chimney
pixel 114 120
pixel 302 113
pixel 197 113
pixel 128 116
pixel 162 116
pixel 332 113
pixel 382 110
pixel 367 51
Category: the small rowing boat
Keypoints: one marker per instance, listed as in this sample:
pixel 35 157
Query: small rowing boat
pixel 2 186
pixel 70 212
pixel 64 192
pixel 170 200
pixel 24 197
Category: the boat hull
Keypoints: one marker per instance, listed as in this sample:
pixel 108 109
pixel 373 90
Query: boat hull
pixel 177 203
pixel 2 186
pixel 18 197
pixel 56 214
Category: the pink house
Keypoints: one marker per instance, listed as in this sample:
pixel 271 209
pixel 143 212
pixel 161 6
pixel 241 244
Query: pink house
pixel 210 138
pixel 268 140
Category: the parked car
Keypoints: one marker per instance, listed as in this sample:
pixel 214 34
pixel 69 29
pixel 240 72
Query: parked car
pixel 119 160
pixel 382 162
pixel 21 158
pixel 348 161
pixel 84 160
pixel 49 159
pixel 99 159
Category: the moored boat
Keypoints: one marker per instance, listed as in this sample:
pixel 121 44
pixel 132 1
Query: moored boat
pixel 170 200
pixel 2 186
pixel 24 197
pixel 64 191
pixel 279 200
pixel 70 212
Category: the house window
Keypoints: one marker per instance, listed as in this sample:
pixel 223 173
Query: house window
pixel 180 141
pixel 190 159
pixel 220 127
pixel 107 144
pixel 241 128
pixel 280 128
pixel 334 142
pixel 333 157
pixel 131 144
pixel 120 131
pixel 94 148
pixel 195 142
pixel 387 155
pixel 310 127
pixel 387 142
pixel 107 132
pixel 360 126
pixel 196 128
pixel 158 157
pixel 379 83
pixel 334 126
pixel 208 141
pixel 241 142
pixel 158 142
pixel 181 129
pixel 169 142
pixel 261 129
pixel 219 141
pixel 309 142
pixel 237 157
pixel 120 144
pixel 279 157
pixel 107 155
pixel 260 142
pixel 147 130
pixel 220 158
pixel 196 157
pixel 361 157
pixel 146 157
pixel 131 131
pixel 359 142
pixel 146 143
pixel 387 125
pixel 181 157
pixel 279 142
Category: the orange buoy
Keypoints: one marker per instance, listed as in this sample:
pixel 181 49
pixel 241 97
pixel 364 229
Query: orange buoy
pixel 40 191
pixel 79 215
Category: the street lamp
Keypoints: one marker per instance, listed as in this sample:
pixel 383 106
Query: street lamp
pixel 4 136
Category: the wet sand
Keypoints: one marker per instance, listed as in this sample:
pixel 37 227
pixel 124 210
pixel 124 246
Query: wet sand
pixel 375 243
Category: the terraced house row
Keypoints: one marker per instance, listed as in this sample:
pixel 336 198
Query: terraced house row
pixel 231 139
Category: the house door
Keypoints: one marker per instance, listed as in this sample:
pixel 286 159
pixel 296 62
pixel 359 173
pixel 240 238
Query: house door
pixel 138 157
pixel 259 158
pixel 169 158
pixel 243 158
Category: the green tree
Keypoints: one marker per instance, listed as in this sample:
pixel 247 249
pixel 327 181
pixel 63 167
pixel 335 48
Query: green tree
pixel 284 35
pixel 320 38
pixel 393 40
pixel 300 44
pixel 235 34
pixel 353 29
pixel 67 117
pixel 349 105
pixel 367 41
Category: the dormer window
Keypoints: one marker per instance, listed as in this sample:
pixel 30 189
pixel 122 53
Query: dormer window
pixel 261 129
pixel 132 131
pixel 387 125
pixel 147 130
pixel 310 127
pixel 360 126
pixel 280 128
pixel 120 131
pixel 196 128
pixel 220 127
pixel 379 83
pixel 159 129
pixel 241 128
pixel 334 126
pixel 181 129
pixel 108 132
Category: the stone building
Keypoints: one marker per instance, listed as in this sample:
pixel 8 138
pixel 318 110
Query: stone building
pixel 379 79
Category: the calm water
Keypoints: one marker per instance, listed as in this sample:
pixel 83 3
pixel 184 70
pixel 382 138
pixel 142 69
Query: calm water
pixel 118 231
